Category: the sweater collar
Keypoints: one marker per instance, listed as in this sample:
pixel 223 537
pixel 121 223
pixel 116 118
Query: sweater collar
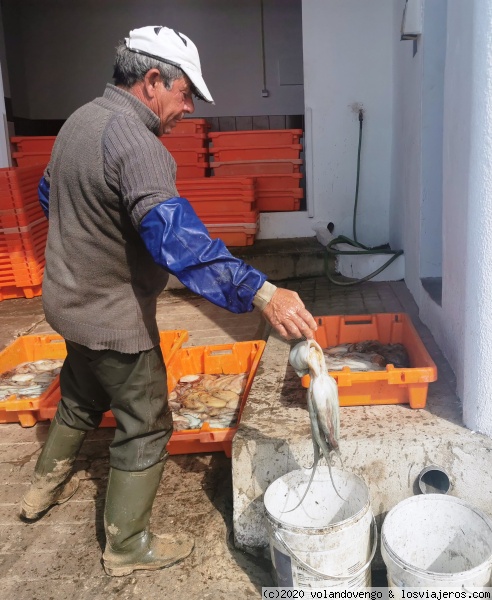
pixel 129 101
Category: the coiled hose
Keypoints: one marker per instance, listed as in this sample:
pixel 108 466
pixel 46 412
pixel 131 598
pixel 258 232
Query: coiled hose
pixel 361 249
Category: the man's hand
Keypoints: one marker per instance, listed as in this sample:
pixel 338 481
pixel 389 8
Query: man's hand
pixel 286 313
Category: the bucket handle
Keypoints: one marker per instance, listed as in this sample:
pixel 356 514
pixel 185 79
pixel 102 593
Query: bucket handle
pixel 312 571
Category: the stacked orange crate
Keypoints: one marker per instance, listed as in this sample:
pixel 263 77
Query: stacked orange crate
pixel 226 206
pixel 271 156
pixel 23 231
pixel 188 143
pixel 32 150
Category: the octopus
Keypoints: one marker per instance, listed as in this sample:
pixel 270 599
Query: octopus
pixel 322 402
pixel 29 379
pixel 207 398
pixel 369 355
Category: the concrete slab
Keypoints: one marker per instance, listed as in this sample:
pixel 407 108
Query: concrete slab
pixel 59 557
pixel 387 446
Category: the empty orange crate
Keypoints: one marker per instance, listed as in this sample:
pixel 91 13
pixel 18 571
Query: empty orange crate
pixel 26 243
pixel 21 217
pixel 191 126
pixel 29 348
pixel 256 153
pixel 26 159
pixel 207 204
pixel 9 292
pixel 241 357
pixel 391 386
pixel 279 200
pixel 287 181
pixel 34 143
pixel 256 137
pixel 241 168
pixel 247 218
pixel 210 184
pixel 233 235
pixel 18 186
pixel 193 170
pixel 190 156
pixel 170 342
pixel 181 141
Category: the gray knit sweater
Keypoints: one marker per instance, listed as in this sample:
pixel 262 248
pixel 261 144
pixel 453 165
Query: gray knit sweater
pixel 107 170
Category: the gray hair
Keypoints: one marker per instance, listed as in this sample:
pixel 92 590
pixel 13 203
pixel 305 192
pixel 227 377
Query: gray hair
pixel 131 67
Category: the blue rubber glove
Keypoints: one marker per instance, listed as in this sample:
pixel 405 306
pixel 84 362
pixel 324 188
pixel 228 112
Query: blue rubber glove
pixel 44 196
pixel 180 243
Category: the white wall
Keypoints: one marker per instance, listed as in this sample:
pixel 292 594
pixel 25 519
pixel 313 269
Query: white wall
pixel 348 63
pixel 456 194
pixel 477 376
pixel 406 156
pixel 412 182
pixel 60 54
pixel 417 171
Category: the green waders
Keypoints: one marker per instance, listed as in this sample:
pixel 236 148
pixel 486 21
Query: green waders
pixel 129 543
pixel 134 388
pixel 51 484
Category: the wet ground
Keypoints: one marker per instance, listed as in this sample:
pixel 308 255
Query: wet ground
pixel 59 557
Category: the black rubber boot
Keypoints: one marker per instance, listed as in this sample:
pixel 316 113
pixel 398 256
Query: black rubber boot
pixel 51 484
pixel 129 544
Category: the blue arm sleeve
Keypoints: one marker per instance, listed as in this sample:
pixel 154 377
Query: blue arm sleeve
pixel 44 196
pixel 180 243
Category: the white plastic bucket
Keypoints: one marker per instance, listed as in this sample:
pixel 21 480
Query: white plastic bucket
pixel 437 541
pixel 326 541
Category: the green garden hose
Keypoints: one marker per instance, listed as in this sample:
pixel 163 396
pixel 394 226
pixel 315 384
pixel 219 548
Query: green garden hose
pixel 362 250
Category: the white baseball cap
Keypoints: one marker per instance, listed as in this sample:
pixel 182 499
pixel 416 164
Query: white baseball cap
pixel 170 46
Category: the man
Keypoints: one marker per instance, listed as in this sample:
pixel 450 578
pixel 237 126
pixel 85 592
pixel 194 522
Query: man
pixel 117 228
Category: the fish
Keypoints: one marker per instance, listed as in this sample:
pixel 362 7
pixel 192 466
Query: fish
pixel 29 379
pixel 322 403
pixel 367 355
pixel 211 398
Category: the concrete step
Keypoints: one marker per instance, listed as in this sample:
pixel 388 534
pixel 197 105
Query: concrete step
pixel 279 259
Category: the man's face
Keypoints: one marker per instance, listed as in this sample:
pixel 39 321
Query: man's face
pixel 172 105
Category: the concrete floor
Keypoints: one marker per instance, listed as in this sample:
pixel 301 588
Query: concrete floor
pixel 59 557
pixel 386 445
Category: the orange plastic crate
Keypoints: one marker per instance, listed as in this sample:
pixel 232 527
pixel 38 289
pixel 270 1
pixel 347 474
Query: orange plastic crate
pixel 25 275
pixel 26 159
pixel 241 168
pixel 287 181
pixel 170 342
pixel 256 153
pixel 191 171
pixel 182 141
pixel 279 200
pixel 241 357
pixel 221 203
pixel 18 186
pixel 34 143
pixel 255 137
pixel 10 292
pixel 229 184
pixel 191 126
pixel 248 218
pixel 29 348
pixel 190 156
pixel 21 217
pixel 391 386
pixel 26 244
pixel 234 235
